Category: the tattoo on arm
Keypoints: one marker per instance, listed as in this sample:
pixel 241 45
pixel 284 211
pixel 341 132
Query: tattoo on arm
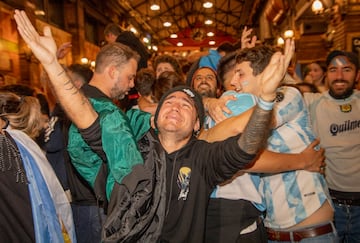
pixel 256 131
pixel 63 71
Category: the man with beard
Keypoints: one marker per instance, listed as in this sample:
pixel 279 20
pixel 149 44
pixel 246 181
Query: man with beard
pixel 205 83
pixel 335 117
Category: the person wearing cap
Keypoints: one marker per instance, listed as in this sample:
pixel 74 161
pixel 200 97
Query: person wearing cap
pixel 335 120
pixel 191 167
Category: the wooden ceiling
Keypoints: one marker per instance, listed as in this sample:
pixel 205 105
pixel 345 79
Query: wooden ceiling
pixel 187 18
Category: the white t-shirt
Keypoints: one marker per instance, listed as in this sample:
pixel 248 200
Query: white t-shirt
pixel 337 124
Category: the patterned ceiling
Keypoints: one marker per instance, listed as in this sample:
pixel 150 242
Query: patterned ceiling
pixel 187 18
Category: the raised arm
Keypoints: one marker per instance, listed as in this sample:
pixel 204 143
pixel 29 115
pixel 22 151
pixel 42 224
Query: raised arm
pixel 257 129
pixel 75 104
pixel 246 41
pixel 311 159
pixel 230 127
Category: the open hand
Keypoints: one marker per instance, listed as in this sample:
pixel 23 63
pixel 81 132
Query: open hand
pixel 275 71
pixel 246 41
pixel 43 47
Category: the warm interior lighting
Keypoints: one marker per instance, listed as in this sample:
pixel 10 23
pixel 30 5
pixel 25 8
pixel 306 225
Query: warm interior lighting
pixel 212 42
pixel 208 22
pixel 155 48
pixel 280 41
pixel 173 36
pixel 210 34
pixel 207 4
pixel 39 12
pixel 155 7
pixel 146 40
pixel 84 60
pixel 132 29
pixel 167 24
pixel 179 43
pixel 317 7
pixel 92 64
pixel 288 34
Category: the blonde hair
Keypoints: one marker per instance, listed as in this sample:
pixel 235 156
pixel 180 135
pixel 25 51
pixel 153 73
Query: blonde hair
pixel 23 113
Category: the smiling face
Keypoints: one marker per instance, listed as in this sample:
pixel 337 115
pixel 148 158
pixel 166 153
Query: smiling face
pixel 341 76
pixel 124 79
pixel 178 115
pixel 244 81
pixel 204 82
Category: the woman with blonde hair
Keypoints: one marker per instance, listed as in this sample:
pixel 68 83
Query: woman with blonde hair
pixel 33 205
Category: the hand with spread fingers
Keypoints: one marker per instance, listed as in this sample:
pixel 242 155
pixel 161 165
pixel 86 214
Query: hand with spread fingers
pixel 275 71
pixel 246 41
pixel 43 47
pixel 75 104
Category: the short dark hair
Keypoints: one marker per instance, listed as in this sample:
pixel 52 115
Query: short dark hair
pixel 353 58
pixel 166 81
pixel 226 47
pixel 226 63
pixel 258 56
pixel 82 70
pixel 112 28
pixel 168 59
pixel 144 81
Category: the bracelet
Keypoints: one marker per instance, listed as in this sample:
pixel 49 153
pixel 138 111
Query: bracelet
pixel 265 105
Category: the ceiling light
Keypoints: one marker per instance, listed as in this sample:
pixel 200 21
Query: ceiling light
pixel 212 42
pixel 39 12
pixel 132 29
pixel 84 60
pixel 146 40
pixel 179 43
pixel 155 48
pixel 155 7
pixel 92 64
pixel 207 4
pixel 208 22
pixel 280 41
pixel 173 36
pixel 288 34
pixel 210 34
pixel 167 24
pixel 317 7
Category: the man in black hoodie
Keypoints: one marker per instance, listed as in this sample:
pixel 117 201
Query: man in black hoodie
pixel 189 168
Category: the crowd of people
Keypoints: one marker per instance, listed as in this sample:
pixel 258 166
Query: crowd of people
pixel 236 148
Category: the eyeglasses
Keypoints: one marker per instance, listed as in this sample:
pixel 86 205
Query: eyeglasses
pixel 200 78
